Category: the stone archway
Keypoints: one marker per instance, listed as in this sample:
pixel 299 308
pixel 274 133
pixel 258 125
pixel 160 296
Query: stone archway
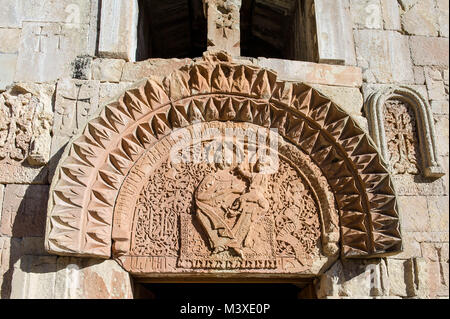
pixel 92 213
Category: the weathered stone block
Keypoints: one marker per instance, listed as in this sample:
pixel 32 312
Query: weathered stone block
pixel 334 32
pixel 419 75
pixel 34 277
pixel 413 213
pixel 421 19
pixel 435 252
pixel 24 210
pixel 10 40
pixel 135 71
pixel 2 190
pixel 109 91
pixel 430 236
pixel 410 185
pixel 10 15
pixel 107 70
pixel 7 69
pixel 48 49
pixel 442 134
pixel 411 247
pixel 391 15
pixel 401 277
pixel 384 56
pixel 445 164
pixel 76 102
pixel 429 51
pixel 326 74
pixel 72 12
pixel 443 17
pixel 440 107
pixel 10 251
pixel 118 29
pixel 79 278
pixel 367 14
pixel 349 99
pixel 439 213
pixel 435 84
pixel 435 279
pixel 355 279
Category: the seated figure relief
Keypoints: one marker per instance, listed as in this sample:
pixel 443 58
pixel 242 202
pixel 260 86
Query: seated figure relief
pixel 227 207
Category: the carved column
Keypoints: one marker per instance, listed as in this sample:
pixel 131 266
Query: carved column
pixel 224 25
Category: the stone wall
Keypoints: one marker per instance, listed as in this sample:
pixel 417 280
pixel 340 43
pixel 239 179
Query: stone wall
pixel 49 49
pixel 405 43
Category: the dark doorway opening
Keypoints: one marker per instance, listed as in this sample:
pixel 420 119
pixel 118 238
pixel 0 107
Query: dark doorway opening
pixel 278 29
pixel 171 29
pixel 223 291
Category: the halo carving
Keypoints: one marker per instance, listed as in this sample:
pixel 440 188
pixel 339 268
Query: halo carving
pixel 95 164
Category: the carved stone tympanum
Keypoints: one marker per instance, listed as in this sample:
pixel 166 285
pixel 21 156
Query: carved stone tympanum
pixel 157 178
pixel 257 213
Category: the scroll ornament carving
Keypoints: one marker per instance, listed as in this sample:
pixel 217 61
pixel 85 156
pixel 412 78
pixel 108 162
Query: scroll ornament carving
pixel 24 129
pixel 94 166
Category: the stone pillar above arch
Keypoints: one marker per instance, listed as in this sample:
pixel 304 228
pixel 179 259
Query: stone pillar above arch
pixel 224 25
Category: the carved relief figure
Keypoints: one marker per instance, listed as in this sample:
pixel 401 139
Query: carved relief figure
pixel 227 209
pixel 402 138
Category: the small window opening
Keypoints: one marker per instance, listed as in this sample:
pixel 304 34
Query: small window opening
pixel 282 29
pixel 171 29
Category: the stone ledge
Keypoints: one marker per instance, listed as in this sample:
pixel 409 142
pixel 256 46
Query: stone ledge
pixel 314 73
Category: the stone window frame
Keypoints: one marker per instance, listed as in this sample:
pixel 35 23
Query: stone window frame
pixel 333 31
pixel 374 109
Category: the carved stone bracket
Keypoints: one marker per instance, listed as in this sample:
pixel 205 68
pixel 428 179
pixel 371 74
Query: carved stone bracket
pixel 94 166
pixel 423 122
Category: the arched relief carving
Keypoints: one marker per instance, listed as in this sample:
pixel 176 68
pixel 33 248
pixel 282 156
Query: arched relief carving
pixel 95 164
pixel 406 117
pixel 292 222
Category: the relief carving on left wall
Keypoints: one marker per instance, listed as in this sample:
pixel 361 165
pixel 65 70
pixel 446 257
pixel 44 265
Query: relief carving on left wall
pixel 25 128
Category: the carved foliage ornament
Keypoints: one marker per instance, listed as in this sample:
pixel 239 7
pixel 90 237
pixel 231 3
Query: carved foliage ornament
pixel 401 124
pixel 402 138
pixel 24 129
pixel 94 166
